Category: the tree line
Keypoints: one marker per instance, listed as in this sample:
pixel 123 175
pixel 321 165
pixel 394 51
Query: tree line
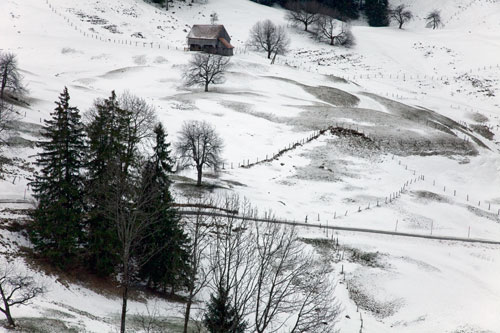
pixel 102 202
pixel 378 12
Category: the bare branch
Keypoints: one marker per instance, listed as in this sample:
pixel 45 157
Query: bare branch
pixel 301 12
pixel 401 15
pixel 266 36
pixel 16 288
pixel 200 146
pixel 205 69
pixel 336 32
pixel 434 19
pixel 10 78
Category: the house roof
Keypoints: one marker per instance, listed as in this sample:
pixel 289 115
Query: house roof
pixel 226 43
pixel 205 31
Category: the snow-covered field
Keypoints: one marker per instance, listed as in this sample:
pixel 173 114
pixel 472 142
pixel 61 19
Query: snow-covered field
pixel 428 102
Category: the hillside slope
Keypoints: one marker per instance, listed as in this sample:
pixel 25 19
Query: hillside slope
pixel 424 105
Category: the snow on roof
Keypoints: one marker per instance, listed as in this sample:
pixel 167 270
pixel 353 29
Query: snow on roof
pixel 205 31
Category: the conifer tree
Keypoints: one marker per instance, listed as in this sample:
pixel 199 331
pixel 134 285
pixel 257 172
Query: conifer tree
pixel 115 129
pixel 57 227
pixel 221 317
pixel 105 150
pixel 377 12
pixel 165 242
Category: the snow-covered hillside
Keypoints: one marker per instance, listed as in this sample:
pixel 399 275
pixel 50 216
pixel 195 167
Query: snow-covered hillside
pixel 426 102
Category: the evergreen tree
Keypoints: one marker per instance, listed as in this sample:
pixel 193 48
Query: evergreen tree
pixel 57 227
pixel 377 12
pixel 165 240
pixel 221 317
pixel 347 9
pixel 105 165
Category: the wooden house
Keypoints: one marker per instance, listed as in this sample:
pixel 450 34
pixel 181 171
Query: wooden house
pixel 211 39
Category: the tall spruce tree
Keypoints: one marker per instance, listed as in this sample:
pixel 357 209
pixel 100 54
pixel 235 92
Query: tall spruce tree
pixel 377 12
pixel 165 240
pixel 221 317
pixel 105 164
pixel 115 129
pixel 57 227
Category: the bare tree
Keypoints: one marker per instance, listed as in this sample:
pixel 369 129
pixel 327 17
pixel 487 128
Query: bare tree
pixel 270 278
pixel 401 15
pixel 318 309
pixel 334 31
pixel 280 263
pixel 232 258
pixel 199 273
pixel 200 146
pixel 143 115
pixel 204 69
pixel 272 39
pixel 126 206
pixel 7 115
pixel 301 12
pixel 151 321
pixel 141 119
pixel 10 78
pixel 434 19
pixel 16 288
pixel 214 18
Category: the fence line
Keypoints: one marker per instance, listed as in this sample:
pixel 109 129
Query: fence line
pixel 396 76
pixel 338 228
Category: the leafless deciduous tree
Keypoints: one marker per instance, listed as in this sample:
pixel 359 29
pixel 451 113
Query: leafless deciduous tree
pixel 434 19
pixel 199 145
pixel 334 31
pixel 214 18
pixel 272 39
pixel 198 228
pixel 401 15
pixel 270 278
pixel 280 264
pixel 205 69
pixel 143 115
pixel 125 205
pixel 150 321
pixel 16 288
pixel 318 310
pixel 10 78
pixel 7 116
pixel 301 12
pixel 232 257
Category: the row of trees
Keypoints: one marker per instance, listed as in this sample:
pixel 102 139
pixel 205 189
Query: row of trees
pixel 348 9
pixel 260 275
pixel 101 201
pixel 328 24
pixel 402 15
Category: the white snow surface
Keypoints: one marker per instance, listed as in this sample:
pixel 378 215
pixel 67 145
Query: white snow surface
pixel 421 285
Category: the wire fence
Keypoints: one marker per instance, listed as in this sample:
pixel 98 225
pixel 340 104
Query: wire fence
pixel 331 227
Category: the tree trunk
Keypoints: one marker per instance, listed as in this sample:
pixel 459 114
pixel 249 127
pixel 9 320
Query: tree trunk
pixel 305 26
pixel 4 84
pixel 124 300
pixel 200 173
pixel 269 54
pixel 186 315
pixel 206 86
pixel 10 320
pixel 274 58
pixel 400 24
